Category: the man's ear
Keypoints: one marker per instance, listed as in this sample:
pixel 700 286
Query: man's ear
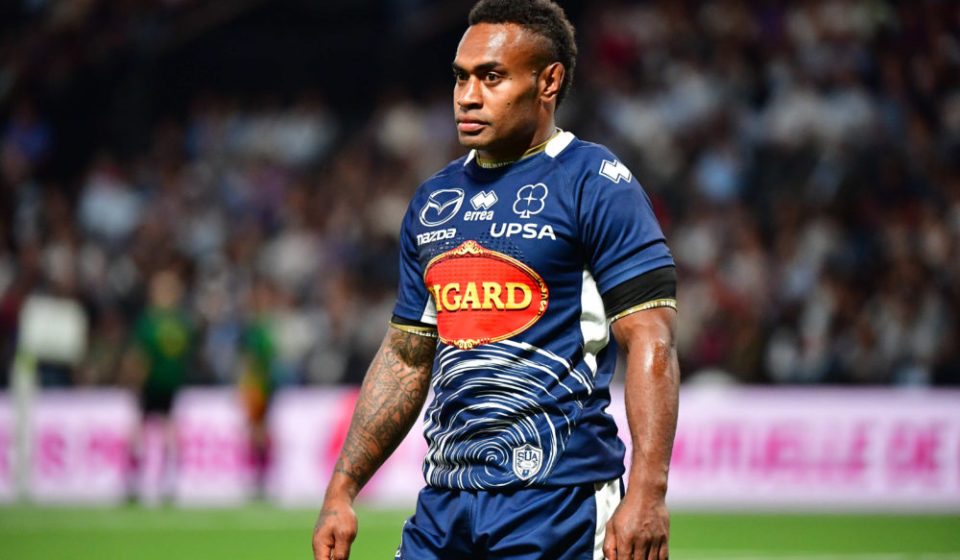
pixel 551 80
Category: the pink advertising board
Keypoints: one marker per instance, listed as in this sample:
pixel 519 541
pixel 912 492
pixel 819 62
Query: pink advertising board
pixel 213 462
pixel 81 446
pixel 87 446
pixel 833 449
pixel 777 449
pixel 736 448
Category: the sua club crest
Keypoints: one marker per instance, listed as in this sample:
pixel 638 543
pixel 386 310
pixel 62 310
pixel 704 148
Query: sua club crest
pixel 527 461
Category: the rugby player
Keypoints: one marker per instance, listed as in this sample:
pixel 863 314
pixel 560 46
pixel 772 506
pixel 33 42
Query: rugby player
pixel 517 263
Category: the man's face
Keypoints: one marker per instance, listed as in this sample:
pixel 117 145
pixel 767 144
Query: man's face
pixel 495 99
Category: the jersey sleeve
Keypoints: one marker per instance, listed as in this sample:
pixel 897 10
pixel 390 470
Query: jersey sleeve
pixel 620 234
pixel 414 305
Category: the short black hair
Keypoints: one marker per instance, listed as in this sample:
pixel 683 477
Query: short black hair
pixel 542 17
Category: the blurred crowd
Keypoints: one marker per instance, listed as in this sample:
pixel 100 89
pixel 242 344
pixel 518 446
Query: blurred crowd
pixel 803 158
pixel 807 159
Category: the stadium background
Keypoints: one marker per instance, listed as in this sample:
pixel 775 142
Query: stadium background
pixel 240 168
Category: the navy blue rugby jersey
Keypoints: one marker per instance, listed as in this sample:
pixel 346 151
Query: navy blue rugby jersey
pixel 510 264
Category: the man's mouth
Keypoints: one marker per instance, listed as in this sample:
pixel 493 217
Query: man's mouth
pixel 470 126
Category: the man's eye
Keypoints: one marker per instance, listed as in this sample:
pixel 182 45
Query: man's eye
pixel 492 77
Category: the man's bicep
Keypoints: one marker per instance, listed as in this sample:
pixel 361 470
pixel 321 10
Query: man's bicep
pixel 413 348
pixel 392 395
pixel 655 326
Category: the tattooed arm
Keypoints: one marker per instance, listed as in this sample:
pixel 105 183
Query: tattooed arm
pixel 391 397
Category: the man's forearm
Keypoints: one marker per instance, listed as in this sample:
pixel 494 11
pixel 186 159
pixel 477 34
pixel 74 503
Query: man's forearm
pixel 652 399
pixel 390 399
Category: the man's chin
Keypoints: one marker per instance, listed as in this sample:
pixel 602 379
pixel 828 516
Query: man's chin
pixel 473 141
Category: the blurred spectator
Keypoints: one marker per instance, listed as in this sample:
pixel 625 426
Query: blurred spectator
pixel 26 133
pixel 259 363
pixel 109 208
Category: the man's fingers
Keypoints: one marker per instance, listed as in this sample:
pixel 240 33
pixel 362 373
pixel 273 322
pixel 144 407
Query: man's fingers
pixel 341 551
pixel 322 546
pixel 625 549
pixel 610 543
pixel 664 550
pixel 341 545
pixel 649 550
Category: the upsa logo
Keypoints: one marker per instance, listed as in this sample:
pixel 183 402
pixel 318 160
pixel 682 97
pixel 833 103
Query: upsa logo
pixel 483 296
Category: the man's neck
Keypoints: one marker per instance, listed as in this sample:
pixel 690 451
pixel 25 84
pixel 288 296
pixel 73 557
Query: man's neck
pixel 537 145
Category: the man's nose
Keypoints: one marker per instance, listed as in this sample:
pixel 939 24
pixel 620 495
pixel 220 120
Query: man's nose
pixel 469 94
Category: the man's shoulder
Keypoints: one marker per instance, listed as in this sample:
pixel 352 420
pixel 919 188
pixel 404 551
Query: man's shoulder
pixel 582 152
pixel 580 157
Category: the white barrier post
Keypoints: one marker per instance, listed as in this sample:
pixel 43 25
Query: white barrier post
pixel 23 383
pixel 51 329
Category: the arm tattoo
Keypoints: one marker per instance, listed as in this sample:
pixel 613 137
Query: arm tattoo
pixel 392 395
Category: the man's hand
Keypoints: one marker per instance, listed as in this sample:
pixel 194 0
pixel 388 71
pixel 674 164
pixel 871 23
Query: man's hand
pixel 638 530
pixel 335 530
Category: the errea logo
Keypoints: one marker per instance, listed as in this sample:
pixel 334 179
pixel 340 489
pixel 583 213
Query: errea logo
pixel 482 203
pixel 615 171
pixel 483 200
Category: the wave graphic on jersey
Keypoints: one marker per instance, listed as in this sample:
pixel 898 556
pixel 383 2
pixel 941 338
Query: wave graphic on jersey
pixel 496 399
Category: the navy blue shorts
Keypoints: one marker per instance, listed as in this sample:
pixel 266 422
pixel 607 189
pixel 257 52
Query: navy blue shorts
pixel 565 523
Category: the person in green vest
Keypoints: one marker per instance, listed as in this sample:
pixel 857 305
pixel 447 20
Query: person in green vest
pixel 162 346
pixel 156 366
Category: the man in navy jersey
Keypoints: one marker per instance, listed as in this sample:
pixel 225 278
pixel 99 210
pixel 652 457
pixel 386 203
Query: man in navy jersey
pixel 518 262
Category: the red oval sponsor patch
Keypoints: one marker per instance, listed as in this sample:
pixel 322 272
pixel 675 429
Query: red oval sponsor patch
pixel 483 296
